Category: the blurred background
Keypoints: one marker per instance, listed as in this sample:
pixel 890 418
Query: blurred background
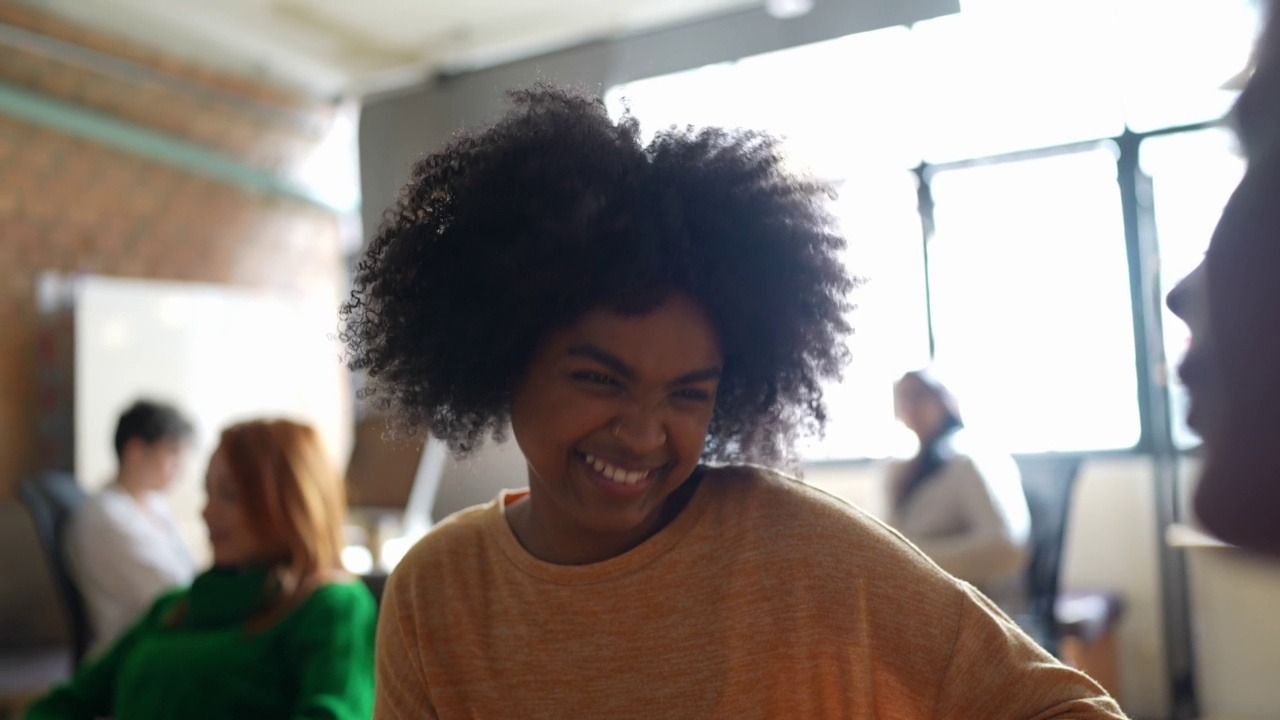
pixel 185 186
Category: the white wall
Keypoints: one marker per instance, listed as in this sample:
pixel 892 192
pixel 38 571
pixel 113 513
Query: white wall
pixel 1112 542
pixel 1235 599
pixel 219 354
pixel 471 481
pixel 1235 627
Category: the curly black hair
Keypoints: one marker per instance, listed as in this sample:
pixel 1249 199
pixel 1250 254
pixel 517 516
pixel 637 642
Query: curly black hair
pixel 556 210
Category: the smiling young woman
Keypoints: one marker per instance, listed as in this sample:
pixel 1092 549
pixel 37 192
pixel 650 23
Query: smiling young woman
pixel 611 418
pixel 645 320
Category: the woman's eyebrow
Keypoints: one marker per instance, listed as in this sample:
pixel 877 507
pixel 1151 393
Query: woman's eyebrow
pixel 619 366
pixel 604 357
pixel 697 376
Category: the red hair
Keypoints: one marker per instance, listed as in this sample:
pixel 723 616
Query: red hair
pixel 294 498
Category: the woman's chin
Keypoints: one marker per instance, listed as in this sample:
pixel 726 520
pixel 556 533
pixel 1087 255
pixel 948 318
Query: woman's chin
pixel 1236 500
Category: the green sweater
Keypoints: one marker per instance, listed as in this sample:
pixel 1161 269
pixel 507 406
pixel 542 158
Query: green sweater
pixel 316 662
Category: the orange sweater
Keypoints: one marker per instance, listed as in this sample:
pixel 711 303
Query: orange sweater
pixel 764 598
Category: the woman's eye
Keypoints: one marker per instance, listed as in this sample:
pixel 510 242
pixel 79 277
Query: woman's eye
pixel 595 378
pixel 693 394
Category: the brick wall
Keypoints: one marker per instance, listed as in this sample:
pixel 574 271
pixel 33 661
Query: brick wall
pixel 73 205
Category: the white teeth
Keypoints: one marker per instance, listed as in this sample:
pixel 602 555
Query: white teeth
pixel 615 474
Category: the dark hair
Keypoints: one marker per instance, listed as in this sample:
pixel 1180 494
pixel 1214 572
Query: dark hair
pixel 1253 115
pixel 937 450
pixel 150 422
pixel 940 392
pixel 514 231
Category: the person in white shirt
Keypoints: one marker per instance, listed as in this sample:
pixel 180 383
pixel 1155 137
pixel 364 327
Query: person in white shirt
pixel 123 545
pixel 959 502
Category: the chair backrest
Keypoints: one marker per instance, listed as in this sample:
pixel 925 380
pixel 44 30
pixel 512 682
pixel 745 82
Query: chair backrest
pixel 52 498
pixel 1048 482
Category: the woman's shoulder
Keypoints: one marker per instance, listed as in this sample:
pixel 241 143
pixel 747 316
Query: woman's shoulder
pixel 110 506
pixel 336 602
pixel 976 453
pixel 766 513
pixel 164 605
pixel 341 590
pixel 783 492
pixel 459 540
pixel 462 529
pixel 784 506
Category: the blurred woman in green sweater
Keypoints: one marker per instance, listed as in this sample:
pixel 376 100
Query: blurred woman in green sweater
pixel 274 630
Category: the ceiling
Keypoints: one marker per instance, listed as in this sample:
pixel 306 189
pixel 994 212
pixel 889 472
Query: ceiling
pixel 331 48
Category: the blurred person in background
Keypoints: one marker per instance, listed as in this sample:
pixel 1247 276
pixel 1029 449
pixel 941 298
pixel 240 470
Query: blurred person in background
pixel 123 545
pixel 275 629
pixel 649 321
pixel 958 500
pixel 1231 303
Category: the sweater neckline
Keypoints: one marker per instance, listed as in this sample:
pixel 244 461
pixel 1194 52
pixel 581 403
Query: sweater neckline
pixel 594 573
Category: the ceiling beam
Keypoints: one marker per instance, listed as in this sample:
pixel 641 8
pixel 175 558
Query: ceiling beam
pixel 152 145
pixel 118 68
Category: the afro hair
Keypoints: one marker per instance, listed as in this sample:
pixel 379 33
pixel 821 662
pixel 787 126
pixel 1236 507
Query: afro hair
pixel 514 231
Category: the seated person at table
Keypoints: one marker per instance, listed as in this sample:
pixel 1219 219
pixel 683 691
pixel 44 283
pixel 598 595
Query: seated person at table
pixel 123 545
pixel 635 314
pixel 962 504
pixel 274 630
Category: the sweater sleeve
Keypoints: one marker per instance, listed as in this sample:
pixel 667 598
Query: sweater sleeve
pixel 402 692
pixel 332 649
pixel 997 672
pixel 90 693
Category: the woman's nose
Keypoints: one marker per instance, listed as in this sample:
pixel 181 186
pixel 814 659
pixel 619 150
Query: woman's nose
pixel 641 430
pixel 1179 298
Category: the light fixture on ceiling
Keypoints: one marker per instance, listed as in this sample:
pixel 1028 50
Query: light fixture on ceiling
pixel 787 9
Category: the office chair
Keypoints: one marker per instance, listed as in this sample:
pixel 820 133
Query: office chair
pixel 1048 482
pixel 52 498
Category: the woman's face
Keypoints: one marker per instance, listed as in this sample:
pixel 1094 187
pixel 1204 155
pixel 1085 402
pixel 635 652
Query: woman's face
pixel 1231 304
pixel 612 417
pixel 230 533
pixel 917 407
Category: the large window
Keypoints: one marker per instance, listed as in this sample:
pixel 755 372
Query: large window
pixel 835 121
pixel 1192 176
pixel 1008 75
pixel 880 221
pixel 1028 295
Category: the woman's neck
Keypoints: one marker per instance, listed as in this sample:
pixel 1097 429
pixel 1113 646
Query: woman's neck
pixel 929 438
pixel 556 540
pixel 136 487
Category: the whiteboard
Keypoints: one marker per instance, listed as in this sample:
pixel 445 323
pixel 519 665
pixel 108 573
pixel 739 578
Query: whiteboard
pixel 219 354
